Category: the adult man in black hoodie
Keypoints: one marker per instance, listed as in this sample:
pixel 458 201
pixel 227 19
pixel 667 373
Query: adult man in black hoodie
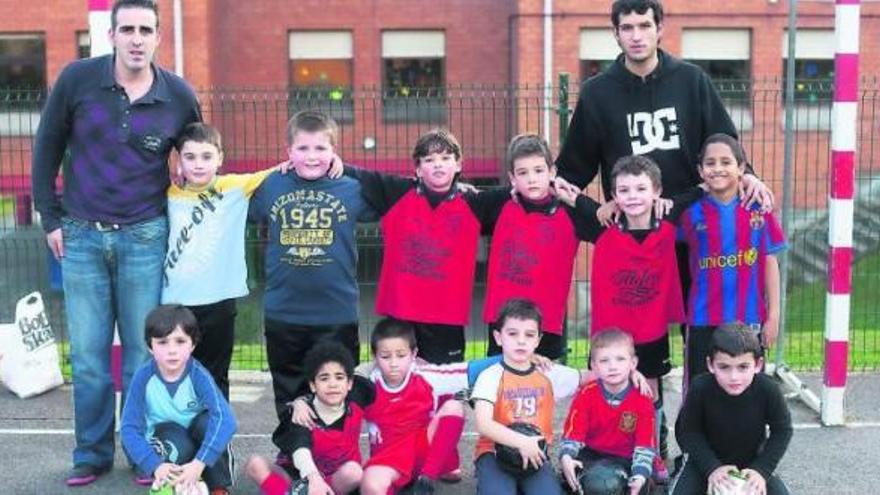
pixel 647 102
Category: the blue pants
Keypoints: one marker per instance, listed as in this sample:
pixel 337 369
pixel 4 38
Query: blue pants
pixel 492 480
pixel 179 445
pixel 111 278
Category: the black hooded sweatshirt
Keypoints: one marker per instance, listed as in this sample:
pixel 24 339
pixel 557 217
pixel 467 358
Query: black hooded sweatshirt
pixel 667 116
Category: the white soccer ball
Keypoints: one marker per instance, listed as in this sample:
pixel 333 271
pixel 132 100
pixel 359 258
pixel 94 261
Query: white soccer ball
pixel 740 487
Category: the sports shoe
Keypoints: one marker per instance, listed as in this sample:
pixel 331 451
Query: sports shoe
pixel 453 476
pixel 143 479
pixel 84 474
pixel 423 486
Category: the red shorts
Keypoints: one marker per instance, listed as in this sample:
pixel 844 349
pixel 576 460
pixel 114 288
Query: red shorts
pixel 406 456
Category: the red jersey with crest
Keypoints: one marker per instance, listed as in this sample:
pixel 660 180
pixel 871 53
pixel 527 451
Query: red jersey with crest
pixel 635 286
pixel 615 430
pixel 429 260
pixel 531 257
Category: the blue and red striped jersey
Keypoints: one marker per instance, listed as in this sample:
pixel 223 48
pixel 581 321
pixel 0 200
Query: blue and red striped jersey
pixel 728 246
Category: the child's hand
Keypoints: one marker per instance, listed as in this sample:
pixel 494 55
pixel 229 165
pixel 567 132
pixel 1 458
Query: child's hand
pixel 531 451
pixel 636 483
pixel 608 213
pixel 163 472
pixel 542 363
pixel 317 485
pixel 641 383
pixel 284 167
pixel 336 167
pixel 662 207
pixel 565 191
pixel 769 331
pixel 466 188
pixel 189 474
pixel 756 483
pixel 302 413
pixel 569 471
pixel 720 477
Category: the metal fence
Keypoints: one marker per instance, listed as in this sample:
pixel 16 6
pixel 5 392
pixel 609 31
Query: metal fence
pixel 378 130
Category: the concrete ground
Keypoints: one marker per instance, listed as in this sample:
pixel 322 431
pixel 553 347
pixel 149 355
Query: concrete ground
pixel 36 441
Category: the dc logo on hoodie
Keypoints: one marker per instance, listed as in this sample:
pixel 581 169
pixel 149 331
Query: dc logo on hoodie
pixel 653 131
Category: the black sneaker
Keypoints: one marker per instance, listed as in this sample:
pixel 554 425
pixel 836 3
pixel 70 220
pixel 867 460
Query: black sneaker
pixel 423 486
pixel 85 474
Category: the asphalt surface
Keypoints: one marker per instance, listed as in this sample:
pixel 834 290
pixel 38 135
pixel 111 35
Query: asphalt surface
pixel 36 442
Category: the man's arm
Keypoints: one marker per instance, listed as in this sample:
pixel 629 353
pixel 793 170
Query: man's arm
pixel 50 144
pixel 578 160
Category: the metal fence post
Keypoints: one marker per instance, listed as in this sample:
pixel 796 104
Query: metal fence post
pixel 563 110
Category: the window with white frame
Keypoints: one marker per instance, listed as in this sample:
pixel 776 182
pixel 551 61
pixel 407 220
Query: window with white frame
pixel 22 82
pixel 414 76
pixel 83 44
pixel 598 49
pixel 813 77
pixel 321 72
pixel 725 55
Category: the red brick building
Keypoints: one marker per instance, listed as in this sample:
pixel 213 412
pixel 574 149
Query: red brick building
pixel 390 68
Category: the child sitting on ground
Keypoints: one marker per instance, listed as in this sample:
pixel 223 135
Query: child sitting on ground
pixel 722 425
pixel 610 426
pixel 515 391
pixel 327 456
pixel 176 425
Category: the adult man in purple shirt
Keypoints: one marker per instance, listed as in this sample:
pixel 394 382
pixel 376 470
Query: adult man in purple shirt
pixel 117 117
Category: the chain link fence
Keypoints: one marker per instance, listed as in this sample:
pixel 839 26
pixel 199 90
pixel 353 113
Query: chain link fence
pixel 377 132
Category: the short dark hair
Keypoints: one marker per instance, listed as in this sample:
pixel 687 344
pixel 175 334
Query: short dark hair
pixel 200 133
pixel 437 140
pixel 735 147
pixel 392 328
pixel 735 339
pixel 611 336
pixel 327 352
pixel 623 7
pixel 524 145
pixel 166 318
pixel 521 309
pixel 636 165
pixel 133 4
pixel 312 121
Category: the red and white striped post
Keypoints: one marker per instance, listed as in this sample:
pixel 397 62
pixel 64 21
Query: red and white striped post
pixel 840 208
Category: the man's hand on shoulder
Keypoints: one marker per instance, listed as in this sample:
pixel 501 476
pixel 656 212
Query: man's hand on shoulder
pixel 752 190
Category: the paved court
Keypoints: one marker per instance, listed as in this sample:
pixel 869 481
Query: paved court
pixel 36 442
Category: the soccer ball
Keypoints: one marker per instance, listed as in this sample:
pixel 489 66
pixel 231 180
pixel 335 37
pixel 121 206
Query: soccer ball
pixel 603 478
pixel 509 458
pixel 200 488
pixel 739 486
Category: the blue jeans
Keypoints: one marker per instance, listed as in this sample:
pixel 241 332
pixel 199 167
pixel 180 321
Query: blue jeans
pixel 491 479
pixel 111 277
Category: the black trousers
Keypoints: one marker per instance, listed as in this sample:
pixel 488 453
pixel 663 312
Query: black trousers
pixel 690 481
pixel 214 350
pixel 439 343
pixel 286 346
pixel 549 347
